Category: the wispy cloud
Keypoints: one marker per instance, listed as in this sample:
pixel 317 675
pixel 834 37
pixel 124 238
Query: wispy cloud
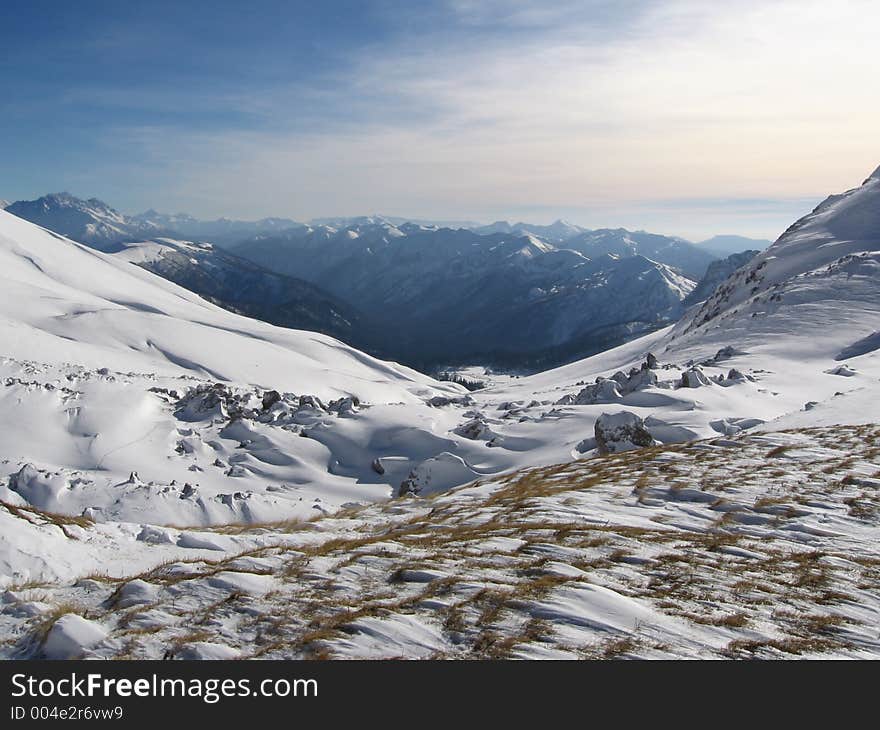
pixel 475 109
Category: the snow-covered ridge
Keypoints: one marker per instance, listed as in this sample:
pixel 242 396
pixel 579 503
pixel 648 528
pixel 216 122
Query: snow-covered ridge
pixel 842 225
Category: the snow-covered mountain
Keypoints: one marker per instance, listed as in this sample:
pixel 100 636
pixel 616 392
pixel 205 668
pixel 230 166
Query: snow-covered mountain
pixel 789 338
pixel 89 221
pixel 453 296
pixel 557 232
pixel 95 223
pixel 222 232
pixel 835 243
pixel 725 245
pixel 678 253
pixel 413 292
pixel 4 204
pixel 360 220
pixel 246 288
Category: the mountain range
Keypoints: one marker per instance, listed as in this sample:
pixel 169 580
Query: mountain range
pixel 509 295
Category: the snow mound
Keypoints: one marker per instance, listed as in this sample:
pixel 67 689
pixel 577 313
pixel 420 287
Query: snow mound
pixel 71 636
pixel 437 474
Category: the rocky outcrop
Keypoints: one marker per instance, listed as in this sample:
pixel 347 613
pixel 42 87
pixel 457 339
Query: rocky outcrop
pixel 717 273
pixel 693 378
pixel 476 429
pixel 623 431
pixel 611 390
pixel 602 391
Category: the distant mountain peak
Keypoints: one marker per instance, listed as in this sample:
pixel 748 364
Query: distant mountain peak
pixel 873 177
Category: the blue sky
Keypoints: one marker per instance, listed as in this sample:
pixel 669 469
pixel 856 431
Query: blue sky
pixel 679 116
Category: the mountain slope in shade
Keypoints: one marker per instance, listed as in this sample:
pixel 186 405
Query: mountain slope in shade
pixel 453 296
pixel 243 287
pixel 717 273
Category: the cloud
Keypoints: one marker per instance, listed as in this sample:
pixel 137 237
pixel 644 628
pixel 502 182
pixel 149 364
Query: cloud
pixel 546 106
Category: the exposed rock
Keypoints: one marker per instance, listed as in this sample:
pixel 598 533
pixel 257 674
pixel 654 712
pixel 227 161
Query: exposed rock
pixel 438 401
pixel 270 398
pixel 725 353
pixel 621 431
pixel 844 370
pixel 693 378
pixel 732 426
pixel 344 406
pixel 602 391
pixel 311 401
pixel 475 429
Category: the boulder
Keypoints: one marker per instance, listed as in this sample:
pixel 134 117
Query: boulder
pixel 621 431
pixel 693 378
pixel 344 406
pixel 844 370
pixel 476 429
pixel 602 391
pixel 270 398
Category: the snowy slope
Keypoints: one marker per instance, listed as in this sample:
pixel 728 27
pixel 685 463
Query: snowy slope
pixel 246 288
pixel 68 302
pixel 107 370
pixel 799 323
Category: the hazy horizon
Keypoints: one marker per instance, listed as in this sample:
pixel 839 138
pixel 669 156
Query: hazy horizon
pixel 679 117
